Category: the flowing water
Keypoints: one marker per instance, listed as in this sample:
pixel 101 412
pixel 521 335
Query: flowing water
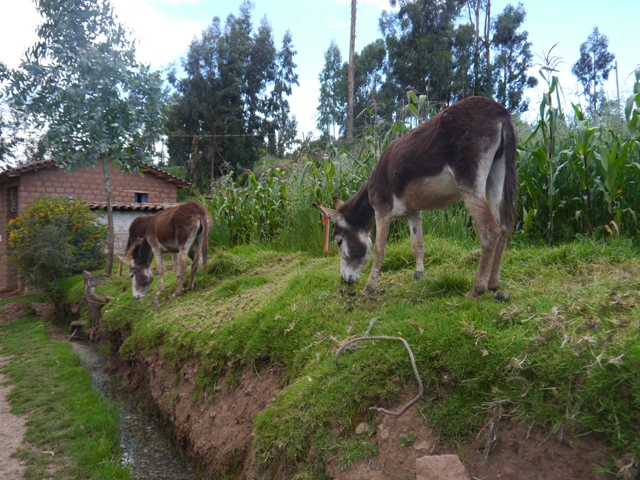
pixel 145 447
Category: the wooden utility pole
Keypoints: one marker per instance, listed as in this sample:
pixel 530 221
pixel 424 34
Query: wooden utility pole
pixel 352 44
pixel 617 85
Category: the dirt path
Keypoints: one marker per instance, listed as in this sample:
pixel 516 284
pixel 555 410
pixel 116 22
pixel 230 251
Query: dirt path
pixel 12 430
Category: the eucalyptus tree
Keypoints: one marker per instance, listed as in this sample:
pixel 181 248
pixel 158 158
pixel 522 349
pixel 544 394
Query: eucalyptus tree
pixel 330 108
pixel 419 39
pixel 232 98
pixel 512 59
pixel 6 143
pixel 351 74
pixel 83 87
pixel 594 65
pixel 284 126
pixel 480 23
pixel 373 94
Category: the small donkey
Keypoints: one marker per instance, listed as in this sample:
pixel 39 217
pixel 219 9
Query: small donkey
pixel 467 151
pixel 175 230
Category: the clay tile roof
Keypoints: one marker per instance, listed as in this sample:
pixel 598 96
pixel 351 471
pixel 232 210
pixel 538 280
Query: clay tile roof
pixel 139 207
pixel 144 167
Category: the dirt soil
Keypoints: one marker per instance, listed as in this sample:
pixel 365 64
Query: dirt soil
pixel 214 434
pixel 12 427
pixel 12 430
pixel 518 453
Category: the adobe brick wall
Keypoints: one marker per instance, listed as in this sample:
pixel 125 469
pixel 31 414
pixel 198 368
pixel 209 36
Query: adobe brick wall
pixel 7 278
pixel 88 184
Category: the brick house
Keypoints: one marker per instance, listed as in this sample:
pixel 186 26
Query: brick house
pixel 133 195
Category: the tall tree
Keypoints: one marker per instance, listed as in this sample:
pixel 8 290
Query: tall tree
pixel 512 60
pixel 6 143
pixel 231 104
pixel 481 83
pixel 465 62
pixel 594 65
pixel 374 95
pixel 419 39
pixel 352 66
pixel 82 85
pixel 330 108
pixel 284 126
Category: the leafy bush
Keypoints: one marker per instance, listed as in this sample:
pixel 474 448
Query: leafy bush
pixel 54 238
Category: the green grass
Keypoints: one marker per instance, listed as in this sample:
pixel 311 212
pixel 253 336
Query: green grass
pixel 563 353
pixel 65 415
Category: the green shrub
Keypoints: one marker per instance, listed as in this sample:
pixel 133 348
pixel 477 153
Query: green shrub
pixel 54 238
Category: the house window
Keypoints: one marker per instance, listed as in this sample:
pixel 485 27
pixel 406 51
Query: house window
pixel 141 197
pixel 13 202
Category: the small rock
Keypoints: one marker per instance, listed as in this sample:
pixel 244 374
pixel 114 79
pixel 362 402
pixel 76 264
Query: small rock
pixel 422 445
pixel 362 428
pixel 440 467
pixel 509 470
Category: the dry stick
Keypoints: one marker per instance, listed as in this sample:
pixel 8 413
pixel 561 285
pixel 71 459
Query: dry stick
pixel 413 365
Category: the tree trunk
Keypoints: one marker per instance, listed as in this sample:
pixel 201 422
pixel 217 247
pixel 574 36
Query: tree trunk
pixel 352 44
pixel 487 46
pixel 107 186
pixel 476 51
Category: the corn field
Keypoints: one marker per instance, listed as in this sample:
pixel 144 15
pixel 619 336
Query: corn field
pixel 578 178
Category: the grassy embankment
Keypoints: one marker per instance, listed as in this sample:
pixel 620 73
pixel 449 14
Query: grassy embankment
pixel 564 353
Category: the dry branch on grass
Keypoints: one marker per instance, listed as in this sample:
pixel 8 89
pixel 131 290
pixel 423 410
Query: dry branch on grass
pixel 413 365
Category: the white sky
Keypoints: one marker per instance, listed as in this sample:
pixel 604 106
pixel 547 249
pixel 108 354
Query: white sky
pixel 164 29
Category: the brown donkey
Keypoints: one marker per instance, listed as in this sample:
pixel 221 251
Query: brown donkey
pixel 176 230
pixel 467 151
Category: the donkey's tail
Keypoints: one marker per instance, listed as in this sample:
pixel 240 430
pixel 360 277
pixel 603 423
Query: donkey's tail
pixel 207 224
pixel 509 212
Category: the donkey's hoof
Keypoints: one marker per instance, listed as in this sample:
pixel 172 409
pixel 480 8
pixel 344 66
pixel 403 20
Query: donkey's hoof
pixel 474 293
pixel 502 297
pixel 367 291
pixel 419 275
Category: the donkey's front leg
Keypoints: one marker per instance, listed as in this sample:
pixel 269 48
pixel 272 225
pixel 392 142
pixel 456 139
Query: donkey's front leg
pixel 382 232
pixel 161 269
pixel 417 243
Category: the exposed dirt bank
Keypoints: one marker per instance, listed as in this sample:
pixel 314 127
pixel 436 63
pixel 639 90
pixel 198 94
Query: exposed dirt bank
pixel 215 434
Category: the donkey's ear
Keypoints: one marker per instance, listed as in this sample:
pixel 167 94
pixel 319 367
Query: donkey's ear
pixel 333 215
pixel 126 259
pixel 337 201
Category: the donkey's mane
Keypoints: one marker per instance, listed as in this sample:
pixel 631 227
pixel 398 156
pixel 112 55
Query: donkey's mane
pixel 358 209
pixel 142 253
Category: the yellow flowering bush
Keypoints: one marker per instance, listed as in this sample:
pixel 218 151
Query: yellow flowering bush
pixel 53 238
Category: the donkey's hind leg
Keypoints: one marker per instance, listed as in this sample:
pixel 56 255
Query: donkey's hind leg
pixel 197 257
pixel 495 185
pixel 417 243
pixel 490 237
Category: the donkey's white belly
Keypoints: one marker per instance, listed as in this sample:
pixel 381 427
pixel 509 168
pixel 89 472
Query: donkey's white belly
pixel 429 193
